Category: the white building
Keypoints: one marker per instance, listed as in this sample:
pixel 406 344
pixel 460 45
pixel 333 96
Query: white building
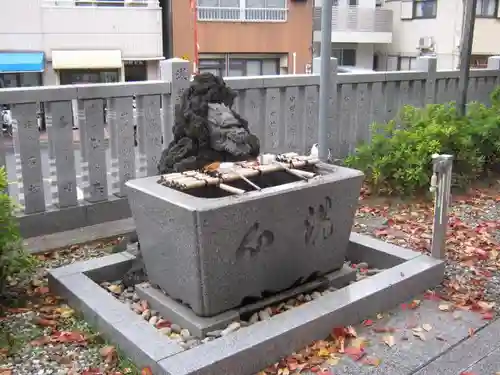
pixel 360 28
pixel 401 30
pixel 74 41
pixel 435 27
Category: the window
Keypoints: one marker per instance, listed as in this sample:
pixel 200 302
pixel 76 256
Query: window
pixel 407 62
pixel 345 57
pixel 243 10
pixel 136 71
pixel 424 8
pixel 240 66
pixel 486 8
pixel 77 76
pixel 215 66
pixel 479 61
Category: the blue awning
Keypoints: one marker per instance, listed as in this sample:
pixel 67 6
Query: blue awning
pixel 21 62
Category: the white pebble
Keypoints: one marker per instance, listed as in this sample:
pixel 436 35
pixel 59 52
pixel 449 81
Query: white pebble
pixel 185 333
pixel 264 315
pixel 234 326
pixel 146 314
pixel 316 295
pixel 254 318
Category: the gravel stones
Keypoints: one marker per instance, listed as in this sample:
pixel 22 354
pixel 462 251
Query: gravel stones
pixel 184 337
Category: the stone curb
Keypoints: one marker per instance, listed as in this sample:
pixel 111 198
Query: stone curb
pixel 252 348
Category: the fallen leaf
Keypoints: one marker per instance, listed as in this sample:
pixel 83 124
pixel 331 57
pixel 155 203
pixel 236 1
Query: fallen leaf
pixel 471 331
pixel 5 371
pixel 383 329
pixel 368 323
pixel 333 361
pixel 488 316
pixel 146 371
pixel 427 327
pixel 44 322
pixel 211 167
pixel 350 331
pixel 109 354
pixel 444 307
pixel 323 352
pixel 65 312
pixel 42 290
pixel 354 353
pixel 414 304
pixel 18 310
pixel 419 334
pixel 371 361
pixel 389 340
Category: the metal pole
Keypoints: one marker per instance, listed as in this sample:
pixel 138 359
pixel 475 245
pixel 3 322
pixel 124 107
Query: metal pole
pixel 465 52
pixel 324 77
pixel 441 187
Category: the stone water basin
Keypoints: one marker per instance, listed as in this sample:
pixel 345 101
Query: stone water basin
pixel 213 250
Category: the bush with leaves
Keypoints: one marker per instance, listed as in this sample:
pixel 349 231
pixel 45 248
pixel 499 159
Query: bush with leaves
pixel 13 259
pixel 397 160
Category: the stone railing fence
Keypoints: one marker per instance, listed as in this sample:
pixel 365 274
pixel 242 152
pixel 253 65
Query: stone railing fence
pixel 77 177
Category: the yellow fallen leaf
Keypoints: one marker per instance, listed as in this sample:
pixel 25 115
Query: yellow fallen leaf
pixel 359 343
pixel 389 341
pixel 333 361
pixel 427 327
pixel 444 307
pixel 65 312
pixel 323 352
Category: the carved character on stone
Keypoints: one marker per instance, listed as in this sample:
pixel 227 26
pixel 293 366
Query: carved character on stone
pixel 254 241
pixel 318 224
pixel 94 142
pixel 33 188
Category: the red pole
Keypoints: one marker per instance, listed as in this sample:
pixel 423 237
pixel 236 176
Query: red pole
pixel 195 33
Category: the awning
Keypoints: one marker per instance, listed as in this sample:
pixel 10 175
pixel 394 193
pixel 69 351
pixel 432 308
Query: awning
pixel 21 62
pixel 108 59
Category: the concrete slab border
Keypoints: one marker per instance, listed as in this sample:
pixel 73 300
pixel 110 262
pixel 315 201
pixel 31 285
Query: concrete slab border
pixel 252 348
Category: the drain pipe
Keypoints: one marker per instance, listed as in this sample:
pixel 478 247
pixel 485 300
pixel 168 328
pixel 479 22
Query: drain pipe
pixel 441 187
pixel 324 77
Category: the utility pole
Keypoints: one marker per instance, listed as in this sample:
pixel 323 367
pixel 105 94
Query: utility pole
pixel 465 52
pixel 324 78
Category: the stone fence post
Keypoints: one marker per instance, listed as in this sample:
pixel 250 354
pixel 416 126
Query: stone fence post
pixel 177 72
pixel 429 64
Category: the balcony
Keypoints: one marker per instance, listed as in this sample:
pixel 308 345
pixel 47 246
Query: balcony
pixel 356 25
pixel 237 14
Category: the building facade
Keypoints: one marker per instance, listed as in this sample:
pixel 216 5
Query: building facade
pixel 435 27
pixel 360 28
pixel 245 37
pixel 50 42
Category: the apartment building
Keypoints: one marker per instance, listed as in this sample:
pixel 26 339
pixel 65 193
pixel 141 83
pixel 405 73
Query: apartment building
pixel 245 37
pixel 435 27
pixel 47 42
pixel 360 28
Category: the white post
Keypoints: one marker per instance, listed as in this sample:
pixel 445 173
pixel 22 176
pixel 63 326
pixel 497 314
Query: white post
pixel 441 187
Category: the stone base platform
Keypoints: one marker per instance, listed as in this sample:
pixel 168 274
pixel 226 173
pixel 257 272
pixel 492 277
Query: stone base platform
pixel 253 348
pixel 199 326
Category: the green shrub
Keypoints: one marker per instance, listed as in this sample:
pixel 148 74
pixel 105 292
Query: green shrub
pixel 13 259
pixel 397 160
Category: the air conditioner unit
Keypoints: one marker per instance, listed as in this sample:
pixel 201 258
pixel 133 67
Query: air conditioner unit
pixel 426 43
